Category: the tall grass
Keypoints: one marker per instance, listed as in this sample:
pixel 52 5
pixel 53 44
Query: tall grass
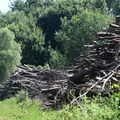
pixel 97 109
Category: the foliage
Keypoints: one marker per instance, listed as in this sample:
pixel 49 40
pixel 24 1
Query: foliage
pixel 50 15
pixel 80 30
pixel 22 96
pixel 9 53
pixel 17 5
pixel 57 60
pixel 97 109
pixel 35 22
pixel 29 36
pixel 113 6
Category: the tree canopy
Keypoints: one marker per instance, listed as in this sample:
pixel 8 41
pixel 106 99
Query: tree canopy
pixel 51 31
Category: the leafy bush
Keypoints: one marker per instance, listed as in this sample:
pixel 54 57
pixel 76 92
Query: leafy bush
pixel 9 53
pixel 57 60
pixel 80 30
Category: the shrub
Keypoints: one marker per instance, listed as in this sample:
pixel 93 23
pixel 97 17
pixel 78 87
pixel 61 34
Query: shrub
pixel 9 53
pixel 57 61
pixel 80 30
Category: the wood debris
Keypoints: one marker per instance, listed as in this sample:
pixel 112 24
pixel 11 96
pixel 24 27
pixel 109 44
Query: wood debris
pixel 47 85
pixel 98 70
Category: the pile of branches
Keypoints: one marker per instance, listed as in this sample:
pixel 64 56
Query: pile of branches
pixel 99 69
pixel 95 73
pixel 47 85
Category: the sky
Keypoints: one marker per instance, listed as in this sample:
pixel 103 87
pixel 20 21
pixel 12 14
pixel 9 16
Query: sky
pixel 4 5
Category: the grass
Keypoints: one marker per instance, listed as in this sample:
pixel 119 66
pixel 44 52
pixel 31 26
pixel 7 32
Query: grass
pixel 97 109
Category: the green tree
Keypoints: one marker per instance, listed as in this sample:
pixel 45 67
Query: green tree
pixel 48 14
pixel 80 30
pixel 9 53
pixel 113 6
pixel 30 37
pixel 17 5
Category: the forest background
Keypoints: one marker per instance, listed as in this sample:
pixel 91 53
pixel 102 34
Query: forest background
pixel 51 33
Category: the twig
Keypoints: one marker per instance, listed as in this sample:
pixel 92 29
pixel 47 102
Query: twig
pixel 107 80
pixel 110 74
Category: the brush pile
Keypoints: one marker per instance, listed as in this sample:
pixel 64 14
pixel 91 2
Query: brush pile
pixel 47 85
pixel 95 73
pixel 99 69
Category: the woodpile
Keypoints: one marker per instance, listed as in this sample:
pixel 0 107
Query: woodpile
pixel 47 85
pixel 95 73
pixel 99 69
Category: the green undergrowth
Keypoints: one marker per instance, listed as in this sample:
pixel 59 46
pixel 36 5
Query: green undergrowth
pixel 95 109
